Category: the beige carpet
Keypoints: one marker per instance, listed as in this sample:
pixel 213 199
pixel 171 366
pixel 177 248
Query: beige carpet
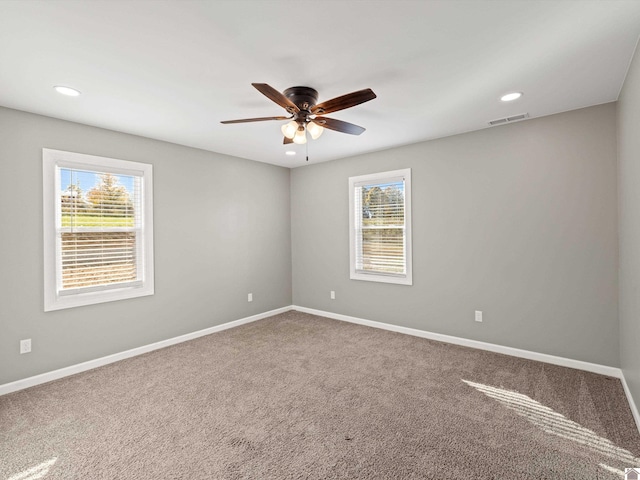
pixel 297 396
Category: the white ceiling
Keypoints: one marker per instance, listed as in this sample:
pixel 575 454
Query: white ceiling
pixel 172 70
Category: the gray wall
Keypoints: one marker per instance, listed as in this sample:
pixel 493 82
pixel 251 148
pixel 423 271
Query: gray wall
pixel 629 204
pixel 222 229
pixel 519 221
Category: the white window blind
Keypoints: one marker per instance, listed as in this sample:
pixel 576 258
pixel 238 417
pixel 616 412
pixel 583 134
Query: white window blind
pixel 380 227
pixel 98 229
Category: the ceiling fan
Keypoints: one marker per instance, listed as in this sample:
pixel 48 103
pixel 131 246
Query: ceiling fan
pixel 306 115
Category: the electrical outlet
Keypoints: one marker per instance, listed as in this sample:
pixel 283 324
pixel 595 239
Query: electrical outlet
pixel 333 295
pixel 478 316
pixel 250 297
pixel 25 346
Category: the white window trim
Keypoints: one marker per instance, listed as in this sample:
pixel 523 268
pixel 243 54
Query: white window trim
pixel 51 161
pixel 406 279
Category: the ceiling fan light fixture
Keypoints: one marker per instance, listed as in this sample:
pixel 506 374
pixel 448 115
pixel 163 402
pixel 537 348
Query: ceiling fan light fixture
pixel 314 130
pixel 300 138
pixel 289 129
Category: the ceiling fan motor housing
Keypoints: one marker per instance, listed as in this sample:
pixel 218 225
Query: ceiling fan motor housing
pixel 304 97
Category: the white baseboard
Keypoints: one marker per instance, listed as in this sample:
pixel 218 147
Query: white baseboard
pixel 541 357
pixel 98 362
pixel 632 404
pixel 514 352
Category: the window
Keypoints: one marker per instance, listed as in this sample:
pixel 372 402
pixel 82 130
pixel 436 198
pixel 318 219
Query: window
pixel 98 229
pixel 380 227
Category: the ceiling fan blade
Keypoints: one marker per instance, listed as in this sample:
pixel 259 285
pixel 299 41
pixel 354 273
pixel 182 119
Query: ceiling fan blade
pixel 287 141
pixel 339 125
pixel 345 101
pixel 261 119
pixel 274 95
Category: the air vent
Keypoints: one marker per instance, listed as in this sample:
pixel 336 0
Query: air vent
pixel 513 118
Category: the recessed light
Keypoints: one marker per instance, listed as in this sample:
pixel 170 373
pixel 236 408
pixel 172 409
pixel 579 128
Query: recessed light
pixel 509 97
pixel 71 92
pixel 290 153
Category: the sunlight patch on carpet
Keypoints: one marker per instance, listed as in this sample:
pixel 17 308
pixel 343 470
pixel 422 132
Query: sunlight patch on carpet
pixel 36 472
pixel 555 423
pixel 611 469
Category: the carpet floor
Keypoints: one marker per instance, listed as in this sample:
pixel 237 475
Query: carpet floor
pixel 297 396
